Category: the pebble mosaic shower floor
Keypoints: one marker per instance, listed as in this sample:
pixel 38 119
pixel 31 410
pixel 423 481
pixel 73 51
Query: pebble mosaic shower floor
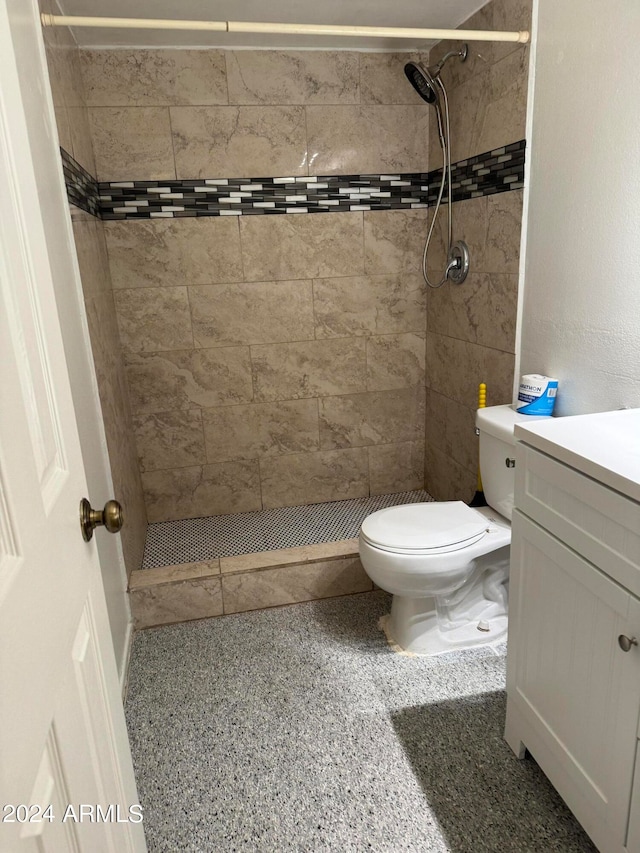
pixel 192 540
pixel 297 730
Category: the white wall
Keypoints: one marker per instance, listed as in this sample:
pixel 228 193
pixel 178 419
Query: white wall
pixel 581 311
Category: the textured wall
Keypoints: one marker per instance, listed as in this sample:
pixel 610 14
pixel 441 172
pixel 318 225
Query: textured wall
pixel 271 360
pixel 581 313
pixel 73 130
pixel 471 328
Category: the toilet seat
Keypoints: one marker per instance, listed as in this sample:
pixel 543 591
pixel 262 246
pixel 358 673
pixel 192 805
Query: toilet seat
pixel 424 528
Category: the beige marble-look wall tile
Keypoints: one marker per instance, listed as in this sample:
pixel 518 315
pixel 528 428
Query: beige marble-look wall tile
pixel 292 77
pixel 487 97
pixel 455 368
pixel 375 417
pixel 395 361
pixel 64 129
pixel 124 77
pixel 491 226
pixel 383 81
pixel 499 369
pixel 483 311
pixel 81 138
pixel 163 604
pixel 450 427
pixel 436 419
pixel 68 92
pixel 296 246
pixel 510 15
pixel 496 15
pixel 168 252
pixel 445 479
pixel 369 305
pixel 116 414
pixel 239 141
pixel 154 319
pixel 226 487
pixel 504 229
pixel 353 140
pixel 480 54
pixel 308 369
pixel 505 114
pixel 66 50
pixel 289 584
pixel 160 382
pixel 394 240
pixel 437 254
pixel 489 110
pixel 253 313
pixel 91 249
pixel 305 478
pixel 170 439
pixel 132 143
pixel 396 467
pixel 261 429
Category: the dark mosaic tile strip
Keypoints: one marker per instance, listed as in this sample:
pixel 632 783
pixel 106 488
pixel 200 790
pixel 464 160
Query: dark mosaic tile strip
pixel 82 187
pixel 494 171
pixel 242 196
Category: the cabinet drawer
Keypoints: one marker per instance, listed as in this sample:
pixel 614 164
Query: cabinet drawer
pixel 597 522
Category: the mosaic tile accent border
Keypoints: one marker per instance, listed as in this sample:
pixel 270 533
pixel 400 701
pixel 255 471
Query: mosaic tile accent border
pixel 494 171
pixel 194 540
pixel 82 187
pixel 242 196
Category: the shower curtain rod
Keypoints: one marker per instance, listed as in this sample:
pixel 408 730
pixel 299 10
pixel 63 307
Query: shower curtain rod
pixel 48 20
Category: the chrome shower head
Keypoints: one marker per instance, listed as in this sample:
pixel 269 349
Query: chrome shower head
pixel 426 85
pixel 423 81
pixel 423 78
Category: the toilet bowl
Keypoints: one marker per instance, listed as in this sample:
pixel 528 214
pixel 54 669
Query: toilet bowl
pixel 447 564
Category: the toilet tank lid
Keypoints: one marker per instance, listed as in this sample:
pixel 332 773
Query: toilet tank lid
pixel 500 421
pixel 423 526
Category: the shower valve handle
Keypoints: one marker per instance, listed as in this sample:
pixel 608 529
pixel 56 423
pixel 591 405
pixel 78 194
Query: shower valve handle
pixel 458 264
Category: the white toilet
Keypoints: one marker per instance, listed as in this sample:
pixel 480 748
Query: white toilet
pixel 447 564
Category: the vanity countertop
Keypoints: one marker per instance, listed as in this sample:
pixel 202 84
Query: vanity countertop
pixel 604 445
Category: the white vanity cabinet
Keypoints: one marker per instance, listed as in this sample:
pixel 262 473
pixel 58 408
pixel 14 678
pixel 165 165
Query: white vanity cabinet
pixel 573 692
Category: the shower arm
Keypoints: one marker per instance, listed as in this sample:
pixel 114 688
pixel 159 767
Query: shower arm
pixel 519 37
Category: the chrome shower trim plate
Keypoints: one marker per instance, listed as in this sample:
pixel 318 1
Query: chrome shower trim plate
pixel 458 267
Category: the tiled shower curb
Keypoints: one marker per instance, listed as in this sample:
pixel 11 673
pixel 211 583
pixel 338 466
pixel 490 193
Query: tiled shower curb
pixel 227 585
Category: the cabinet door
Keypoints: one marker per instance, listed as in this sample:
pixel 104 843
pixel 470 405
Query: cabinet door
pixel 578 692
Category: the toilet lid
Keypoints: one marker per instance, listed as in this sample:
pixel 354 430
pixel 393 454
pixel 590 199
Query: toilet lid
pixel 439 525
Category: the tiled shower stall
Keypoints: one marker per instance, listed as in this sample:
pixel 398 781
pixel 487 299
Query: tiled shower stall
pixel 261 331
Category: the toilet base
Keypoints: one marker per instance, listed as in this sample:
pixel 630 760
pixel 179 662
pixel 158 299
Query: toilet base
pixel 438 624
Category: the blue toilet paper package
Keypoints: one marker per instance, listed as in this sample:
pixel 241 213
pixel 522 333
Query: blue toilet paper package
pixel 537 394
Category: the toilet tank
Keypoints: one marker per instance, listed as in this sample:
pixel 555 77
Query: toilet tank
pixel 497 452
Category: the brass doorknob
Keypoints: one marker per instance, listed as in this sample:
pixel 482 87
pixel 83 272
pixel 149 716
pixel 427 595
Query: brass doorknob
pixel 111 517
pixel 625 642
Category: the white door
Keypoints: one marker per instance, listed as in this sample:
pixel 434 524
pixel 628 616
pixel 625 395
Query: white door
pixel 63 740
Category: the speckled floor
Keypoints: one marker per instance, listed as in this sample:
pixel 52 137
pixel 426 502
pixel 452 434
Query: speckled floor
pixel 297 729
